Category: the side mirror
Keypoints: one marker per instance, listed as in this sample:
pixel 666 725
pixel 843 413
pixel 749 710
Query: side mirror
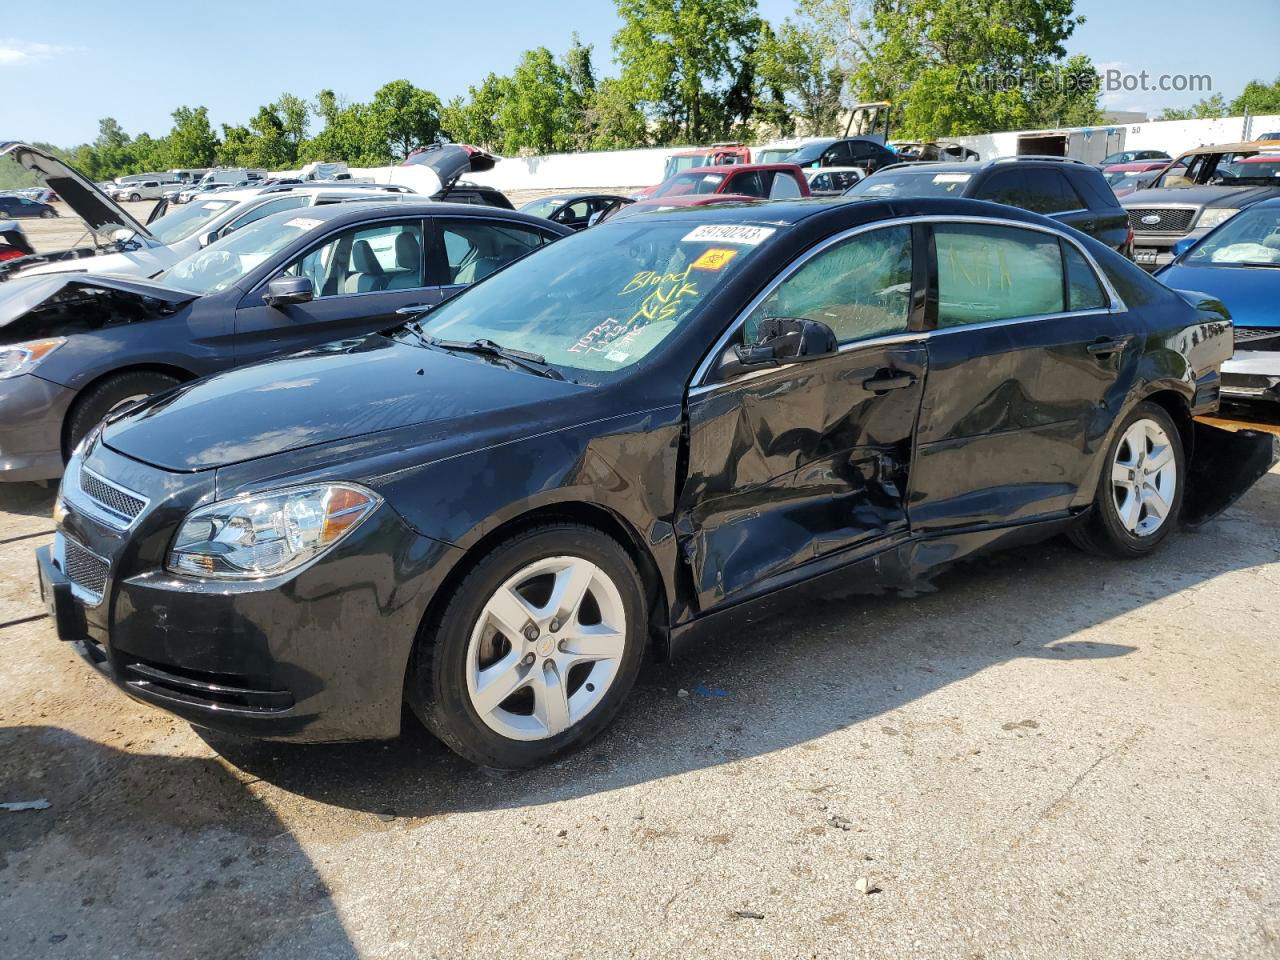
pixel 208 238
pixel 286 290
pixel 781 340
pixel 1183 245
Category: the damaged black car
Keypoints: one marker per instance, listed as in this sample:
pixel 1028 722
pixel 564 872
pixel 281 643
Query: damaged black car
pixel 76 346
pixel 637 435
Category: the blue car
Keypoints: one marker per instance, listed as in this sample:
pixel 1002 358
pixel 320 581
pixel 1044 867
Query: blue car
pixel 1239 263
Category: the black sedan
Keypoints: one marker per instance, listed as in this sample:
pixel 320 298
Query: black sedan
pixel 75 346
pixel 494 512
pixel 14 207
pixel 576 210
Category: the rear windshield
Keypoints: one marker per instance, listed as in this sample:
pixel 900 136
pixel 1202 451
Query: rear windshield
pixel 912 183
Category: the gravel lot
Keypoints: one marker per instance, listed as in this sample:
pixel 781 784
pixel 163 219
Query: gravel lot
pixel 1051 756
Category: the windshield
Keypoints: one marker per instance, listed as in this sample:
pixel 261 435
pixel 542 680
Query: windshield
pixel 688 183
pixel 182 223
pixel 809 152
pixel 1250 237
pixel 775 155
pixel 598 302
pixel 911 183
pixel 677 164
pixel 225 261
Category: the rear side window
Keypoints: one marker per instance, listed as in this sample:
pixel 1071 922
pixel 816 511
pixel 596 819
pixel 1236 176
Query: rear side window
pixel 1084 292
pixel 1047 191
pixel 988 272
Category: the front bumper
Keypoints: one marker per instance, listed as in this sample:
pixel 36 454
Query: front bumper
pixel 32 411
pixel 1252 375
pixel 318 655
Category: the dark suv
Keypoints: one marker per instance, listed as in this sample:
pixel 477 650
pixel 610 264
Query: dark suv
pixel 1067 190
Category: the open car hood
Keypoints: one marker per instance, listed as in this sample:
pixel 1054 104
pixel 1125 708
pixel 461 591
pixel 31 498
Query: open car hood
pixel 450 161
pixel 103 215
pixel 22 299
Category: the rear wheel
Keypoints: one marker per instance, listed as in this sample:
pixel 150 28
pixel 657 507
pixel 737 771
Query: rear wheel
pixel 1140 490
pixel 135 197
pixel 47 214
pixel 112 394
pixel 536 651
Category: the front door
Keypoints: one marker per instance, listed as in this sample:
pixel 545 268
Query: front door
pixel 1025 367
pixel 361 276
pixel 796 463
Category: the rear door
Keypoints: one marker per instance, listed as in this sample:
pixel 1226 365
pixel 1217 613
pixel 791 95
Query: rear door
pixel 361 275
pixel 1028 360
pixel 810 461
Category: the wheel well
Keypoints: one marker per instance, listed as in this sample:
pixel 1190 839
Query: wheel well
pixel 588 514
pixel 1175 404
pixel 167 369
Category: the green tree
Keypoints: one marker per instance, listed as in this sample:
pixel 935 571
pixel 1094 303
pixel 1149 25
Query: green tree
pixel 580 90
pixel 192 142
pixel 403 117
pixel 616 123
pixel 957 68
pixel 681 59
pixel 1210 108
pixel 802 62
pixel 1257 97
pixel 538 112
pixel 475 119
pixel 111 135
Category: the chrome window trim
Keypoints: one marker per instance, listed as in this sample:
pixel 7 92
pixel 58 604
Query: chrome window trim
pixel 699 385
pixel 74 494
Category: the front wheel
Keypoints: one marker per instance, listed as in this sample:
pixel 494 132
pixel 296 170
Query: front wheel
pixel 135 197
pixel 537 649
pixel 111 395
pixel 47 214
pixel 1140 490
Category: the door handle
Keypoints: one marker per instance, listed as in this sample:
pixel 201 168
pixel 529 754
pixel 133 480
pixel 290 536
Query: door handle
pixel 886 380
pixel 1108 346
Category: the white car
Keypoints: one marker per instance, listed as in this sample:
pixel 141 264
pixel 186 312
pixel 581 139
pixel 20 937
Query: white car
pixel 122 245
pixel 139 190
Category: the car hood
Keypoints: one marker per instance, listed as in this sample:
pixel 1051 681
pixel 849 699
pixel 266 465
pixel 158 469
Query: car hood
pixel 102 214
pixel 23 299
pixel 348 389
pixel 1199 196
pixel 1252 294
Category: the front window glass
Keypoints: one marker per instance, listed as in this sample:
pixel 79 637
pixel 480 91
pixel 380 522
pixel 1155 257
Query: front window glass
pixel 1250 237
pixel 911 184
pixel 688 183
pixel 268 208
pixel 598 302
pixel 541 208
pixel 225 261
pixel 860 287
pixel 990 273
pixel 185 221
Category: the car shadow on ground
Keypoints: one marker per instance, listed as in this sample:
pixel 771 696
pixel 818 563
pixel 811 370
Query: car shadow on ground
pixel 141 852
pixel 793 677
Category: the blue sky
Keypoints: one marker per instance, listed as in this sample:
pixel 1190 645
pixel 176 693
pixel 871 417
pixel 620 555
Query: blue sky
pixel 68 64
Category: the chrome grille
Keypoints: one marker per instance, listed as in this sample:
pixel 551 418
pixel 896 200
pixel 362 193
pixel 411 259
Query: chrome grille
pixel 120 505
pixel 1171 219
pixel 85 570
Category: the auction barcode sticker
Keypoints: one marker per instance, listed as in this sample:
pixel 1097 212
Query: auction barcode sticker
pixel 303 223
pixel 729 233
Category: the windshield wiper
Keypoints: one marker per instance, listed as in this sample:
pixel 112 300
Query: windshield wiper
pixel 529 361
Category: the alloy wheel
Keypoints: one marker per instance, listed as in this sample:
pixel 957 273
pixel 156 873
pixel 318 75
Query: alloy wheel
pixel 1144 478
pixel 546 648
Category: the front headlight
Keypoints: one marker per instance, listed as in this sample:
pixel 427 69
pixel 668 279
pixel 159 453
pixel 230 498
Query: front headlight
pixel 22 358
pixel 268 533
pixel 1214 216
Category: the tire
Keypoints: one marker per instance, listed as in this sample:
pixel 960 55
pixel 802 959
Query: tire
pixel 135 197
pixel 47 214
pixel 527 726
pixel 114 391
pixel 1119 525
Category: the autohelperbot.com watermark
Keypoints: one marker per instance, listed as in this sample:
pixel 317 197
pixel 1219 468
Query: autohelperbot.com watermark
pixel 1108 80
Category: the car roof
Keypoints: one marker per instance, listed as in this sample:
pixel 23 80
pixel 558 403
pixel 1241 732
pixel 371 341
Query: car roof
pixel 357 210
pixel 817 170
pixel 1262 145
pixel 736 167
pixel 781 213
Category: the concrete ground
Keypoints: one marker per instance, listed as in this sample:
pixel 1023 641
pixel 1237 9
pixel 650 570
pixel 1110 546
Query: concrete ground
pixel 1051 756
